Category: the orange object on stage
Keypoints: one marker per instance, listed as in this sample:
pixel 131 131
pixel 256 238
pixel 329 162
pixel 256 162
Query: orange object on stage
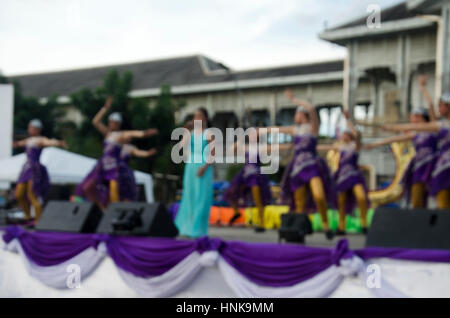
pixel 223 215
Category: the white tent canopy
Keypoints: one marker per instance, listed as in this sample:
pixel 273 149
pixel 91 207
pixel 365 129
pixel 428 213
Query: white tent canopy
pixel 64 167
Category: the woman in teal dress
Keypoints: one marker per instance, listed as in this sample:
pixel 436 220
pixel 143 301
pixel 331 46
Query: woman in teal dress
pixel 197 197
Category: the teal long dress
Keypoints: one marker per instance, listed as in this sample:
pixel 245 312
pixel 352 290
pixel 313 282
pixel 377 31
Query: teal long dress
pixel 197 197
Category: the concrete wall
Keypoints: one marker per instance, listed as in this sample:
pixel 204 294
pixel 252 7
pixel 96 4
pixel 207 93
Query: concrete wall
pixel 384 51
pixel 271 99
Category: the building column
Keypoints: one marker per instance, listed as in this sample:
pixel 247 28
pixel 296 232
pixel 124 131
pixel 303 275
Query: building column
pixel 351 78
pixel 444 53
pixel 403 73
pixel 375 95
pixel 272 107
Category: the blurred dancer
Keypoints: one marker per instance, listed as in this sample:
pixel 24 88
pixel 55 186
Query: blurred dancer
pixel 349 181
pixel 306 182
pixel 128 187
pixel 249 185
pixel 439 184
pixel 197 197
pixel 101 185
pixel 33 183
pixel 417 177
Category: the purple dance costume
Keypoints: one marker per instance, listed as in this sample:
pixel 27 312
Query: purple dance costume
pixel 34 171
pixel 348 175
pixel 248 177
pixel 440 177
pixel 127 183
pixel 421 166
pixel 304 166
pixel 106 169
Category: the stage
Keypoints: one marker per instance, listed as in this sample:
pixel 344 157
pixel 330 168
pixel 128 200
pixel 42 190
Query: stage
pixel 317 239
pixel 38 265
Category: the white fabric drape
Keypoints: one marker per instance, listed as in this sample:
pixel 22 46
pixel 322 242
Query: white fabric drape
pixel 398 278
pixel 172 281
pixel 59 276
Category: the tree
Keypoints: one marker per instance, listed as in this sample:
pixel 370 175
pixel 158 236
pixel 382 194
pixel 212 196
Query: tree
pixel 136 113
pixel 27 108
pixel 85 139
pixel 162 117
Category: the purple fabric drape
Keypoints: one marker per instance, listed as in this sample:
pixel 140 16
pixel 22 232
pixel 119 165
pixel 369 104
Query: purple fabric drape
pixel 281 265
pixel 262 263
pixel 50 248
pixel 141 256
pixel 148 257
pixel 437 256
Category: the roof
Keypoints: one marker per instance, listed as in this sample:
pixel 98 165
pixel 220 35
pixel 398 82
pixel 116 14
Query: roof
pixel 394 13
pixel 399 18
pixel 178 71
pixel 426 6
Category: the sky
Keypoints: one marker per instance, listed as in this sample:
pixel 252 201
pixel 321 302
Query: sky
pixel 51 35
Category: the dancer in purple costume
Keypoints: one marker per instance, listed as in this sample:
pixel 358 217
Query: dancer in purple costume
pixel 33 183
pixel 102 184
pixel 417 177
pixel 249 185
pixel 128 187
pixel 349 182
pixel 439 183
pixel 306 183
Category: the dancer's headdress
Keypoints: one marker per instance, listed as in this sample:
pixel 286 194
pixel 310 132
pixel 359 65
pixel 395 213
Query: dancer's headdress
pixel 115 117
pixel 420 111
pixel 301 109
pixel 347 131
pixel 36 123
pixel 446 97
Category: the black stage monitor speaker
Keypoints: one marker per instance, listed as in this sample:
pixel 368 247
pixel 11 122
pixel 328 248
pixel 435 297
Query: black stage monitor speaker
pixel 294 227
pixel 137 219
pixel 417 229
pixel 65 216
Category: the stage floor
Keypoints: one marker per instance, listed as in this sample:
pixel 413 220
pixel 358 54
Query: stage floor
pixel 356 241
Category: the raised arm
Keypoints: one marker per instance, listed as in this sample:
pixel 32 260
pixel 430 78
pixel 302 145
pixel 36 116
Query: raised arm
pixel 310 108
pixel 97 120
pixel 423 79
pixel 327 147
pixel 288 130
pixel 127 135
pixel 285 146
pixel 20 143
pixel 389 140
pixel 143 153
pixel 268 147
pixel 428 127
pixel 46 142
pixel 350 124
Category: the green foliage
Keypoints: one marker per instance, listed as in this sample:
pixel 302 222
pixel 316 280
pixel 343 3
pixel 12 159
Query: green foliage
pixel 137 114
pixel 232 170
pixel 85 139
pixel 3 79
pixel 161 117
pixel 27 108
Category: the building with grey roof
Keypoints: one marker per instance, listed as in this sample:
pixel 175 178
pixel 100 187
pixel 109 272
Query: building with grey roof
pixel 378 77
